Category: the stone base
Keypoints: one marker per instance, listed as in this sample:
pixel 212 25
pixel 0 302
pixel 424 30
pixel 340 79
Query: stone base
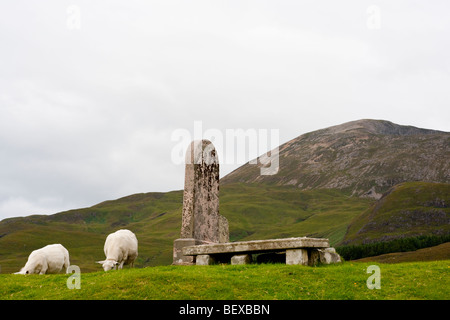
pixel 324 256
pixel 312 257
pixel 297 256
pixel 257 246
pixel 178 245
pixel 241 259
pixel 204 260
pixel 299 251
pixel 329 255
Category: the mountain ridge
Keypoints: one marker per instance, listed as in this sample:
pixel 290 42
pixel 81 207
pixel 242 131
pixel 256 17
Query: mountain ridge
pixel 363 157
pixel 380 127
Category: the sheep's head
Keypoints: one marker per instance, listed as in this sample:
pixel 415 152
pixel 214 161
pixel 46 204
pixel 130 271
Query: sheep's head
pixel 108 264
pixel 24 270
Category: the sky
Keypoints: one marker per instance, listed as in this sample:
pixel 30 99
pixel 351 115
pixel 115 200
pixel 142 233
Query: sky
pixel 94 94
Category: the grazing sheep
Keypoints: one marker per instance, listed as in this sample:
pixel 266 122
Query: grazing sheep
pixel 121 247
pixel 49 259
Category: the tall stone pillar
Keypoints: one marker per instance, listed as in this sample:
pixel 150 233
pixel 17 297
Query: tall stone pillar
pixel 201 221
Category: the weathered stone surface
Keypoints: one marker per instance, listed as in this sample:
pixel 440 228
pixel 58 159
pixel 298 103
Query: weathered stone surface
pixel 178 245
pixel 224 234
pixel 256 246
pixel 201 221
pixel 314 257
pixel 297 256
pixel 200 217
pixel 241 259
pixel 204 260
pixel 329 255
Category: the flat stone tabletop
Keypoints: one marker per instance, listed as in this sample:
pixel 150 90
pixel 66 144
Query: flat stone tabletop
pixel 255 246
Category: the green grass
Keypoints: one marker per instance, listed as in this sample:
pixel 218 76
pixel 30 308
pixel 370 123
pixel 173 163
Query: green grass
pixel 346 281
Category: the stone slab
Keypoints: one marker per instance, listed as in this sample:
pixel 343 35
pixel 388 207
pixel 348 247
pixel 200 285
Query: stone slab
pixel 241 259
pixel 256 246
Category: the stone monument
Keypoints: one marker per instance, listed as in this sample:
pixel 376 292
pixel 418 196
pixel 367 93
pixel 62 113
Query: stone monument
pixel 204 232
pixel 201 221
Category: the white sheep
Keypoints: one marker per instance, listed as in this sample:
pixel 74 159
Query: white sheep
pixel 121 247
pixel 49 259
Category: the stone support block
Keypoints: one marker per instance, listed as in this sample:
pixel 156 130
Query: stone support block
pixel 241 259
pixel 204 260
pixel 297 256
pixel 178 245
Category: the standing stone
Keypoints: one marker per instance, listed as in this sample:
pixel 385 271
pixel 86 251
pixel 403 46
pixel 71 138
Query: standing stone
pixel 201 221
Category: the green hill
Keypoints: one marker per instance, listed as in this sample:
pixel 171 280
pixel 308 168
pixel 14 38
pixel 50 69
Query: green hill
pixel 253 212
pixel 439 252
pixel 152 216
pixel 407 210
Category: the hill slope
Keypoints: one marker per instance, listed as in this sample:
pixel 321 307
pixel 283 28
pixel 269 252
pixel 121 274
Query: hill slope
pixel 407 210
pixel 253 212
pixel 362 158
pixel 152 216
pixel 439 252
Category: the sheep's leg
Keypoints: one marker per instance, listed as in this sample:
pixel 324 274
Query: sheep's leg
pixel 43 270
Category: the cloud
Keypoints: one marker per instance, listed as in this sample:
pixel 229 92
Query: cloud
pixel 14 207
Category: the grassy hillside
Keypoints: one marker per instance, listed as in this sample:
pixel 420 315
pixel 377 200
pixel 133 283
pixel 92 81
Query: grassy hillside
pixel 253 212
pixel 267 212
pixel 407 210
pixel 152 216
pixel 424 280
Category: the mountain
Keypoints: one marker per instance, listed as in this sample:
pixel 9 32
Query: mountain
pixel 363 158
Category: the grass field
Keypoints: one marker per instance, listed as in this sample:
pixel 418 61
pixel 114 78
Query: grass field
pixel 345 281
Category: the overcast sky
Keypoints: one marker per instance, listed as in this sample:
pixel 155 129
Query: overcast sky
pixel 91 92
